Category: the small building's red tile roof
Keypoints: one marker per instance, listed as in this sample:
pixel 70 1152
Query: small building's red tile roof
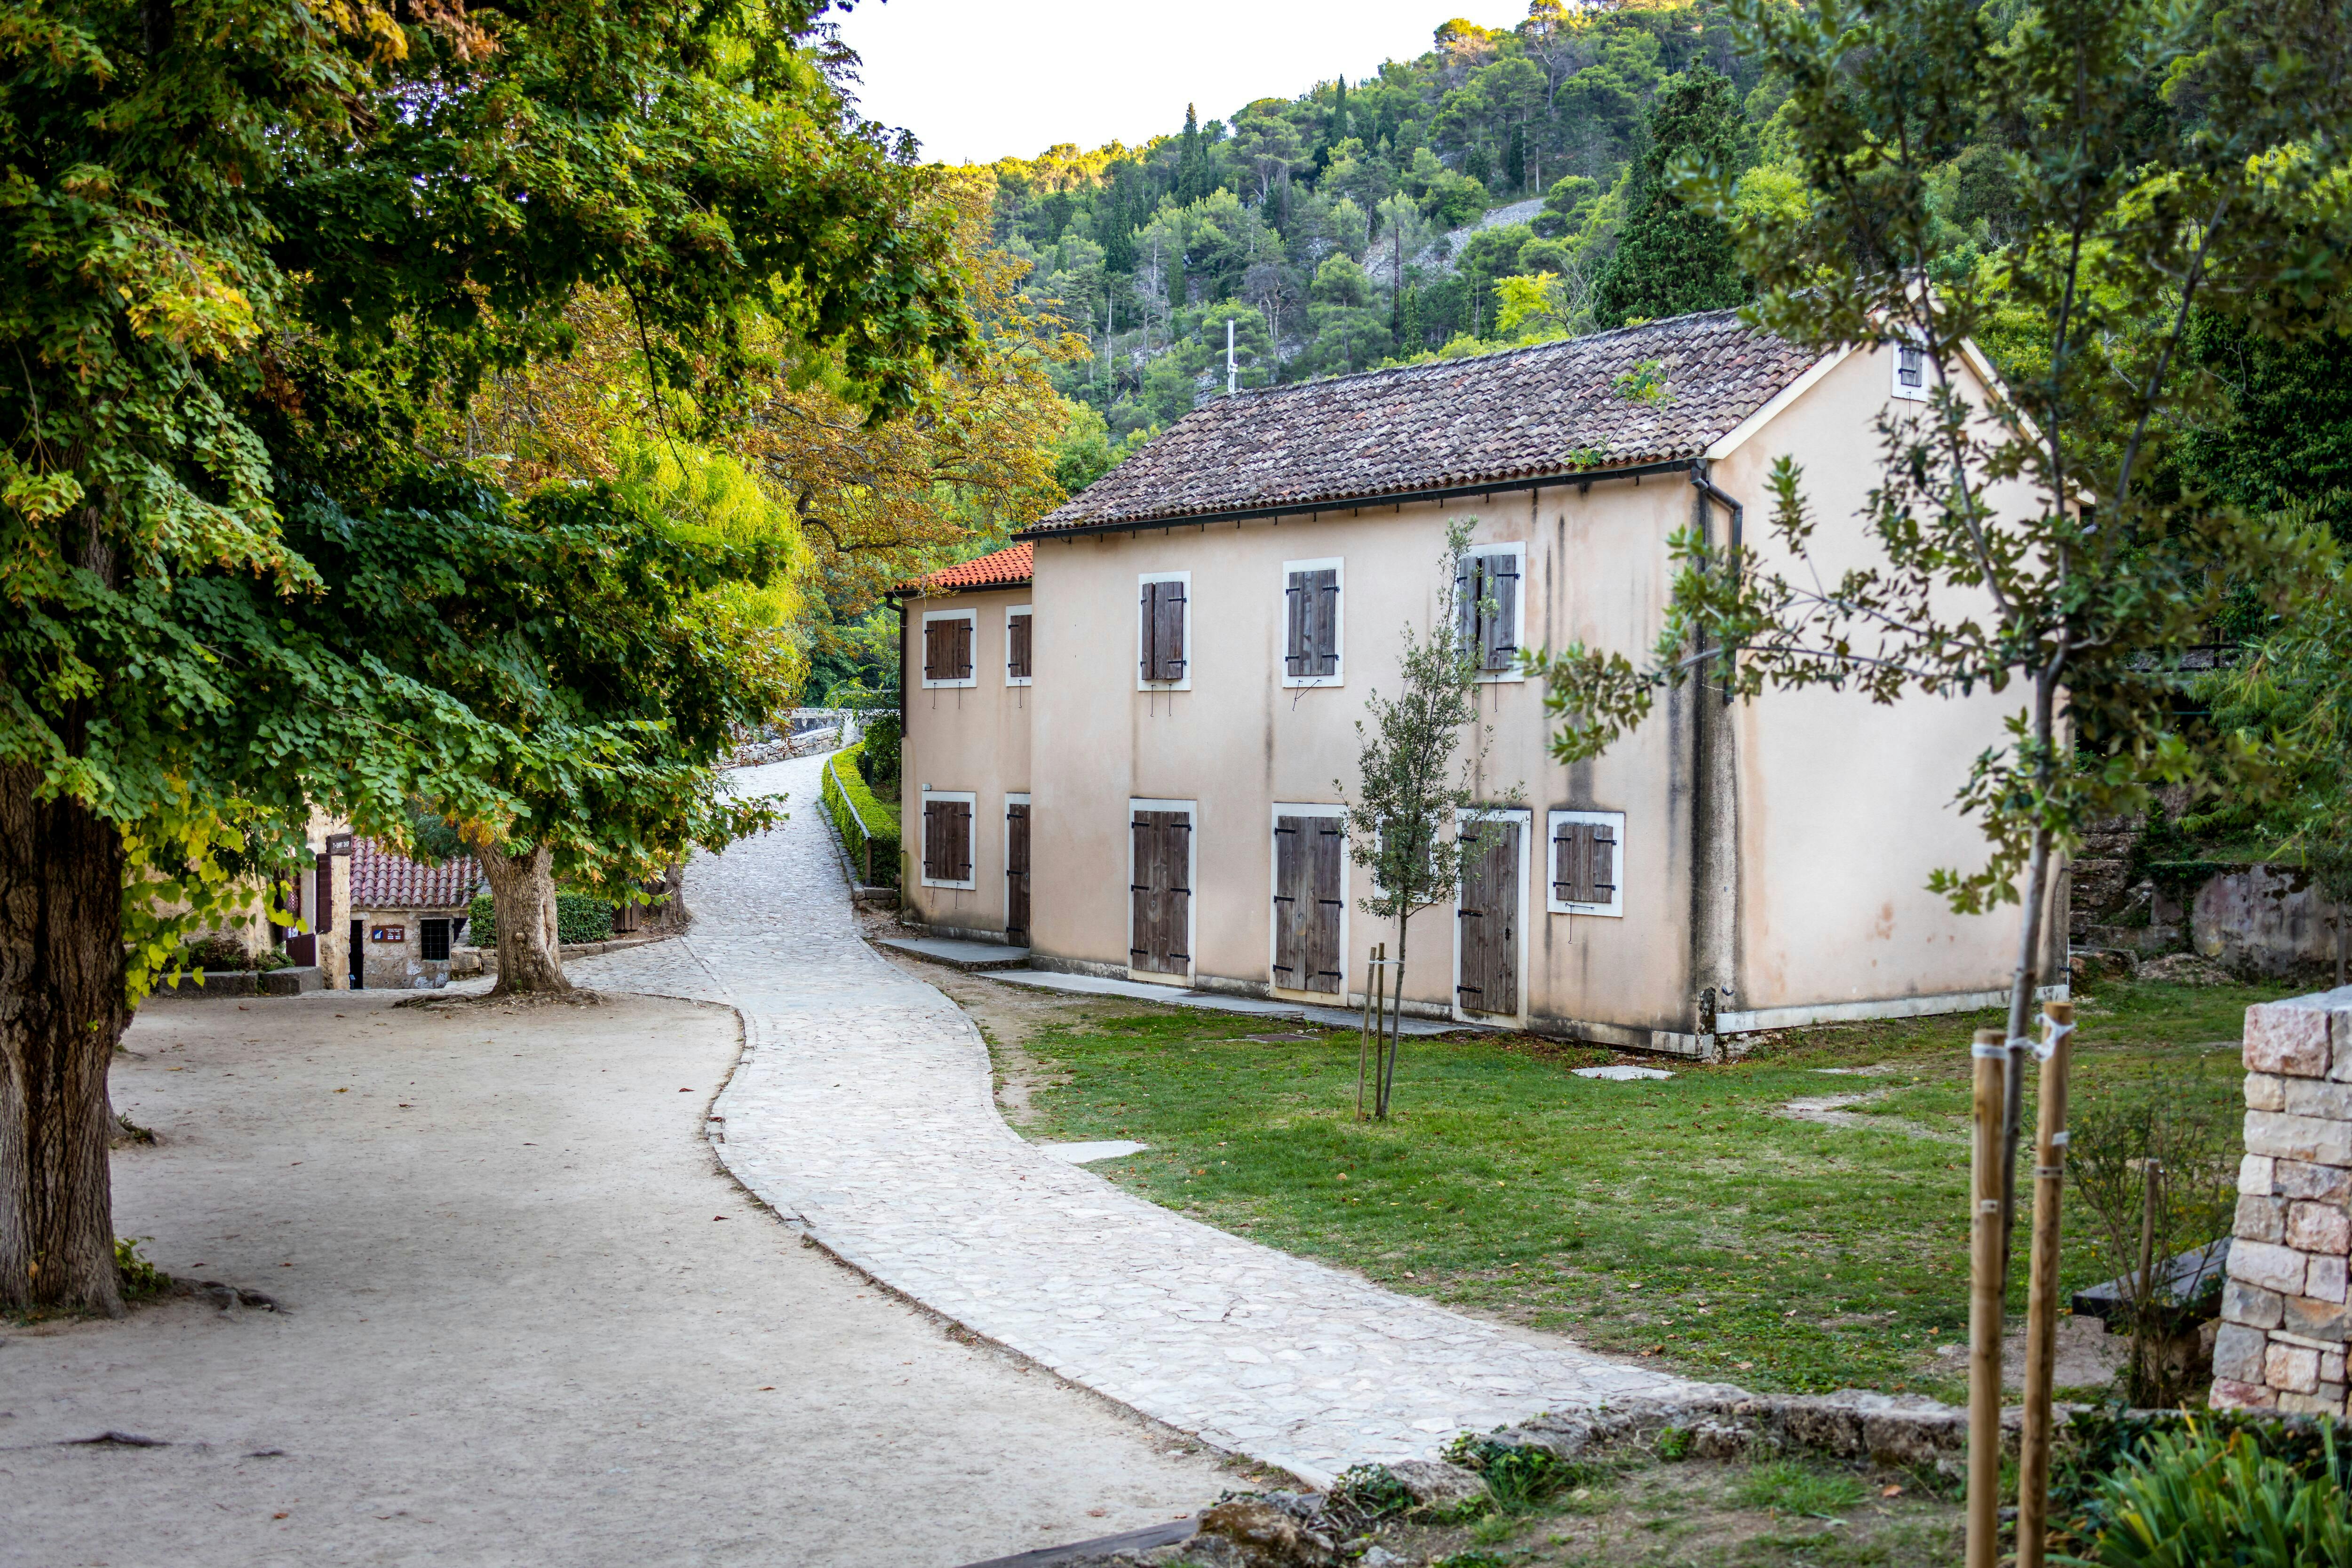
pixel 1575 406
pixel 1006 568
pixel 382 880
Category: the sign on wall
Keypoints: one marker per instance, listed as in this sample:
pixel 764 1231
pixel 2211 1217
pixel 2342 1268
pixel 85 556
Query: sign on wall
pixel 387 934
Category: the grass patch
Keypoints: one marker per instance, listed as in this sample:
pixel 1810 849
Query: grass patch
pixel 1690 1220
pixel 1786 1486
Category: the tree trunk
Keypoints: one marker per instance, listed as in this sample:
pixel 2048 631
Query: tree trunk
pixel 1396 1029
pixel 668 910
pixel 522 900
pixel 61 1012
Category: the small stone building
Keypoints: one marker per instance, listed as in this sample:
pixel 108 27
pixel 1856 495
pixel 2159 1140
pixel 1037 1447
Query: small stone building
pixel 406 916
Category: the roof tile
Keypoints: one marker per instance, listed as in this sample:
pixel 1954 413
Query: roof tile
pixel 1007 568
pixel 382 880
pixel 1553 408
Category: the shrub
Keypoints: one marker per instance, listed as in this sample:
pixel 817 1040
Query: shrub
pixel 878 754
pixel 860 817
pixel 579 917
pixel 138 1279
pixel 2196 1496
pixel 271 958
pixel 214 950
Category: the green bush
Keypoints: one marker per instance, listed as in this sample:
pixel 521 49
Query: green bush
pixel 271 958
pixel 2198 1496
pixel 138 1279
pixel 215 951
pixel 878 754
pixel 861 818
pixel 579 917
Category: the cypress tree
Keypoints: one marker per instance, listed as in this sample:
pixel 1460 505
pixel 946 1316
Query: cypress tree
pixel 1191 162
pixel 1672 260
pixel 1515 160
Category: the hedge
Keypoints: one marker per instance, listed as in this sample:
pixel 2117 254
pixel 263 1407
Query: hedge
pixel 859 817
pixel 579 917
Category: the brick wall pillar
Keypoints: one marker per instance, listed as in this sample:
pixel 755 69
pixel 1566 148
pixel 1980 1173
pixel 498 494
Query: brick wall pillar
pixel 2283 1317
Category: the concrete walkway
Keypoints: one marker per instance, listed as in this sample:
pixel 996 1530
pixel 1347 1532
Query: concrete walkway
pixel 863 1110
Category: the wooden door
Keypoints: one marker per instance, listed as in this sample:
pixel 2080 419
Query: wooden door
pixel 1162 892
pixel 1307 903
pixel 1016 873
pixel 1488 917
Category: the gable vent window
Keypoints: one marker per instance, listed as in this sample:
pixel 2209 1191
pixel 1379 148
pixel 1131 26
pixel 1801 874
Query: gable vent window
pixel 1164 614
pixel 1487 604
pixel 1311 623
pixel 1910 371
pixel 1588 851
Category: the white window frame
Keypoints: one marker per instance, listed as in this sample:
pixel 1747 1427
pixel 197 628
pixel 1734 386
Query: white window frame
pixel 970 617
pixel 922 851
pixel 1185 684
pixel 1011 678
pixel 1615 908
pixel 1273 884
pixel 1191 810
pixel 1895 374
pixel 1518 551
pixel 1525 817
pixel 1338 675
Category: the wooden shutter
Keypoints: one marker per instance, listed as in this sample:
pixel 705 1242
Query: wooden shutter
pixel 1584 863
pixel 1467 579
pixel 1016 873
pixel 934 665
pixel 1489 916
pixel 1499 643
pixel 961 652
pixel 959 816
pixel 1292 898
pixel 1324 649
pixel 1321 948
pixel 935 839
pixel 1164 631
pixel 1297 614
pixel 1016 649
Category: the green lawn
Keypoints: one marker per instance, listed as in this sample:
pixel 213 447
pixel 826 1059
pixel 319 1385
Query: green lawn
pixel 1684 1219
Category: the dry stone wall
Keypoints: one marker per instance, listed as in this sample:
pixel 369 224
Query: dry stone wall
pixel 2285 1322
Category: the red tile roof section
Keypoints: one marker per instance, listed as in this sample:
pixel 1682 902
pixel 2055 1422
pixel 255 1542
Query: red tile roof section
pixel 1560 408
pixel 1006 568
pixel 382 880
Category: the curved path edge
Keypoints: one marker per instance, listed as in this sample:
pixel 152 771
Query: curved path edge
pixel 863 1109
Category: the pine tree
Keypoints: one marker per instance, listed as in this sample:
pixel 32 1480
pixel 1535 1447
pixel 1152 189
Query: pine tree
pixel 1672 260
pixel 1191 162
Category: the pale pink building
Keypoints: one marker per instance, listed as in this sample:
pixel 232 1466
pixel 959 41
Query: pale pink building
pixel 1129 737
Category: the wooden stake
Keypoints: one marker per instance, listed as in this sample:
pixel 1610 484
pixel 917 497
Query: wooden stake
pixel 2041 1302
pixel 1364 1038
pixel 1990 1055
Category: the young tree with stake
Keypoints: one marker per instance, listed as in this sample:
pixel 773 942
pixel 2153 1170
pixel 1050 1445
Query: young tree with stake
pixel 1410 794
pixel 2166 160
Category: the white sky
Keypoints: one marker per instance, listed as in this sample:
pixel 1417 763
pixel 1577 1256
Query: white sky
pixel 979 81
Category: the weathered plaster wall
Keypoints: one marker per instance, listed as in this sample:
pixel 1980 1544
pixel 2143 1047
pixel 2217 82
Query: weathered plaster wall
pixel 972 738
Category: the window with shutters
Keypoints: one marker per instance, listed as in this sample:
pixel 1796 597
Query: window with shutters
pixel 948 647
pixel 1311 622
pixel 947 838
pixel 1164 631
pixel 1910 369
pixel 1586 874
pixel 1490 607
pixel 1017 656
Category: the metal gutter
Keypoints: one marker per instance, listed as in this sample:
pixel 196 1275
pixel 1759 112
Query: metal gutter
pixel 1581 478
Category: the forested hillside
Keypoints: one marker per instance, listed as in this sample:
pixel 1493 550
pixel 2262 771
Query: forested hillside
pixel 1298 219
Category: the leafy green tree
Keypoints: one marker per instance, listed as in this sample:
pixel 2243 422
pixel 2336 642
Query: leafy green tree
pixel 2165 159
pixel 1674 258
pixel 260 239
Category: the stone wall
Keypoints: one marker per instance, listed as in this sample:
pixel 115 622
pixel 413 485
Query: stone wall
pixel 2285 1322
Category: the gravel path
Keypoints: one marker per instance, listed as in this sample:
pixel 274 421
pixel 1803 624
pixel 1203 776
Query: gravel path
pixel 528 1321
pixel 861 1109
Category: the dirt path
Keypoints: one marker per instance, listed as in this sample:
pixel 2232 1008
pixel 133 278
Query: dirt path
pixel 528 1321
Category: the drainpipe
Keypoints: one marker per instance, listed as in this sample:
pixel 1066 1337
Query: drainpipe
pixel 1714 817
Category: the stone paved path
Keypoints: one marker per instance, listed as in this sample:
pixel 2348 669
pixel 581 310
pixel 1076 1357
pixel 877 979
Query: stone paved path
pixel 863 1109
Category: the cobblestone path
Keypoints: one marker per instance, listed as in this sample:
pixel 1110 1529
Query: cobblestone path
pixel 863 1109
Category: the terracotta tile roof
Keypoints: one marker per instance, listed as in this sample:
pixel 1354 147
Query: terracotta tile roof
pixel 1553 408
pixel 382 880
pixel 1006 568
